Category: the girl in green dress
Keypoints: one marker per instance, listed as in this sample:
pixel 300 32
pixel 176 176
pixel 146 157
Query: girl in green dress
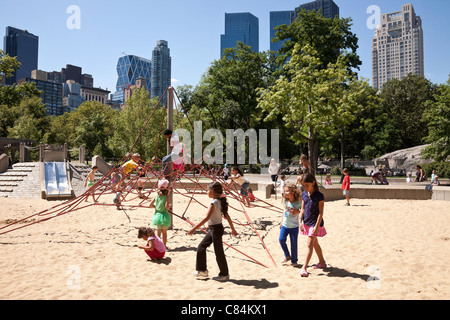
pixel 161 218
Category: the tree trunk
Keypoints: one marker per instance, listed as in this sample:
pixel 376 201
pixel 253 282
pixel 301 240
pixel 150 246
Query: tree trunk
pixel 313 150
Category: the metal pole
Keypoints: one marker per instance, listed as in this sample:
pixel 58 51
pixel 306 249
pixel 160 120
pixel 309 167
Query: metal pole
pixel 170 97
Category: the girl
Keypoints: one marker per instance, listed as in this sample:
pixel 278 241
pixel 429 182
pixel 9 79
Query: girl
pixel 155 248
pixel 238 177
pixel 312 216
pixel 217 208
pixel 290 224
pixel 161 218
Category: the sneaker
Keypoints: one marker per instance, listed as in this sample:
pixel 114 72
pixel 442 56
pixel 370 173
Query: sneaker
pixel 201 274
pixel 285 260
pixel 295 264
pixel 222 278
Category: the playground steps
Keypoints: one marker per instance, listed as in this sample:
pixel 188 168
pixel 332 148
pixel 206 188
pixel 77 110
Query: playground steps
pixel 18 180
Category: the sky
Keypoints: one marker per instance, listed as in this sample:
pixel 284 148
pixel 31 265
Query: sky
pixel 108 29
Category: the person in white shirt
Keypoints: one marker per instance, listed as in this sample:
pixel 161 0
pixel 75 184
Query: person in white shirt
pixel 273 171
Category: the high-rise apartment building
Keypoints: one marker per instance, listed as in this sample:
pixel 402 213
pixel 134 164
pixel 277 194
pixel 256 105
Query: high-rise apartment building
pixel 243 27
pixel 24 46
pixel 328 8
pixel 156 72
pixel 397 48
pixel 161 76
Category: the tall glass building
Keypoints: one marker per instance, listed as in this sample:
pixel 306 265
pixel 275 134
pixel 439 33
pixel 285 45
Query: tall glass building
pixel 242 27
pixel 328 8
pixel 129 69
pixel 24 46
pixel 161 70
pixel 278 18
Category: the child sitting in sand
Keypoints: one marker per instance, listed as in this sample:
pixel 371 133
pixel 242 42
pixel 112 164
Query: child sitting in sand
pixel 161 218
pixel 155 248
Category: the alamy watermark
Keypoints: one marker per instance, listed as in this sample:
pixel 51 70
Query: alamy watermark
pixel 73 282
pixel 374 280
pixel 375 19
pixel 73 22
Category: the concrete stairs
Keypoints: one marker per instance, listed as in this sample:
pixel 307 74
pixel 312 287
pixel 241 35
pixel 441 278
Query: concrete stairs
pixel 19 181
pixel 23 180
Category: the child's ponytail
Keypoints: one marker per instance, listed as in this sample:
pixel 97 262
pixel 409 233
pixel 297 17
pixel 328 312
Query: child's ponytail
pixel 218 190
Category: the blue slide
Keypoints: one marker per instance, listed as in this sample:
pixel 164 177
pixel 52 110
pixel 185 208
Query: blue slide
pixel 56 182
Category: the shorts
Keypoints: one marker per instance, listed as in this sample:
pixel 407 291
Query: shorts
pixel 346 192
pixel 244 188
pixel 308 231
pixel 90 183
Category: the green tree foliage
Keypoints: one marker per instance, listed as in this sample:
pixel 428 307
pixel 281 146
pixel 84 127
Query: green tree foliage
pixel 30 120
pixel 437 118
pixel 403 105
pixel 331 38
pixel 8 65
pixel 314 102
pixel 140 119
pixel 91 125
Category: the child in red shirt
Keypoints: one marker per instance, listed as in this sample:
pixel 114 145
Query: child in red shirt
pixel 346 186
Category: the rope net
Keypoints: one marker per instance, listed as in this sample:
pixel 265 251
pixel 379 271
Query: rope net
pixel 135 190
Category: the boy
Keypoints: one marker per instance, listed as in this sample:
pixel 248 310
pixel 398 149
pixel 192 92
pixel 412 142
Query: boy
pixel 90 179
pixel 346 186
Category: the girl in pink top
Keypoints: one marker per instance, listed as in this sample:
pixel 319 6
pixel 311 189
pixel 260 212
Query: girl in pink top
pixel 155 248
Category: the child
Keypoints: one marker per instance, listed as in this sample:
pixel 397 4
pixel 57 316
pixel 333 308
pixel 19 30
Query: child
pixel 409 179
pixel 217 208
pixel 346 186
pixel 312 217
pixel 238 177
pixel 89 181
pixel 155 248
pixel 290 224
pixel 161 219
pixel 328 179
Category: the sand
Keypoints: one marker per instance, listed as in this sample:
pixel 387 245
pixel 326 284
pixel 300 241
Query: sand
pixel 375 249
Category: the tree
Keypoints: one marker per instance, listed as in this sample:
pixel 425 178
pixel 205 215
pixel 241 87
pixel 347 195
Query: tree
pixel 314 102
pixel 8 65
pixel 30 120
pixel 129 126
pixel 437 118
pixel 403 102
pixel 331 38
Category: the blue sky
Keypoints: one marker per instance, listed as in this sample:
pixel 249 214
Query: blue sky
pixel 110 28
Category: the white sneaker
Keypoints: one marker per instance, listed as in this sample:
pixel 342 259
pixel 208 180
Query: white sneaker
pixel 201 274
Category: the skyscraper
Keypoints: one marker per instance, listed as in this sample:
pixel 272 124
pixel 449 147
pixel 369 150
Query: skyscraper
pixel 242 27
pixel 397 48
pixel 161 69
pixel 129 69
pixel 328 8
pixel 24 46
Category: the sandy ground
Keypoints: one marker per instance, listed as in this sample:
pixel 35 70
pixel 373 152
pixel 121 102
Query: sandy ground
pixel 375 249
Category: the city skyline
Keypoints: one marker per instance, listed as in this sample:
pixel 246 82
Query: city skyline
pixel 193 30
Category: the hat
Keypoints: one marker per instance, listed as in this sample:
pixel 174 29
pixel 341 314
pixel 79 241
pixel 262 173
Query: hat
pixel 163 183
